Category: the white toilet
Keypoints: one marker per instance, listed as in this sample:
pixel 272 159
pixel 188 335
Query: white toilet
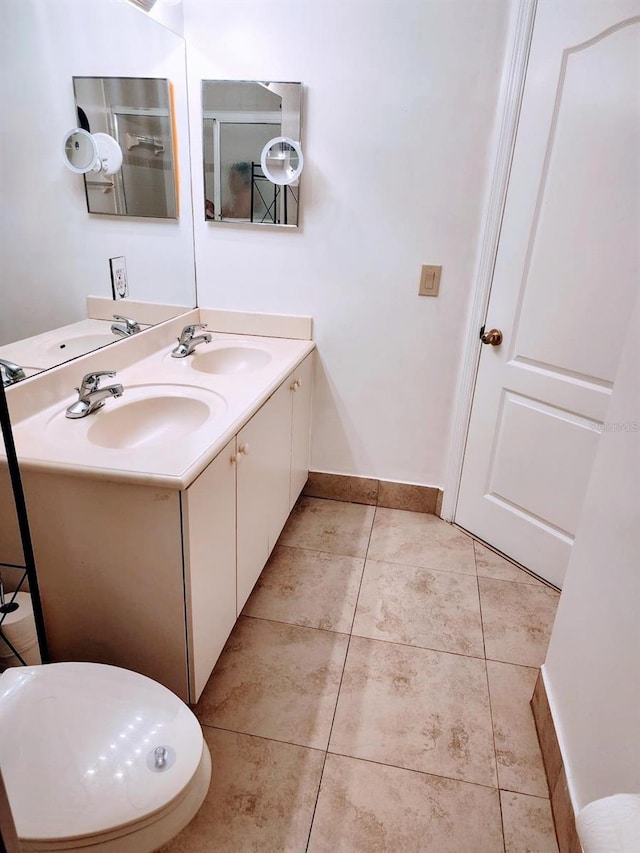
pixel 98 758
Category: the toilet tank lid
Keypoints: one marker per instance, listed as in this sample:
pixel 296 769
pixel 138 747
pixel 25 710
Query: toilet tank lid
pixel 77 748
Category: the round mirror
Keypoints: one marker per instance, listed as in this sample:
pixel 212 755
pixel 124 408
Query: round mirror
pixel 80 151
pixel 91 152
pixel 282 160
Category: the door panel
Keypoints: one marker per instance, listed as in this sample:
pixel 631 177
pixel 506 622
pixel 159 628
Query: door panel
pixel 565 279
pixel 547 485
pixel 587 211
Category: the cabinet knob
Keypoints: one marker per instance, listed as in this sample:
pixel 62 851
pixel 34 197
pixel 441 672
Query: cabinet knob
pixel 243 450
pixel 296 384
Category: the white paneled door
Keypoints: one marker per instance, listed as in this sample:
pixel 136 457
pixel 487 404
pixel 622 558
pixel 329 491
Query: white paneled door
pixel 565 281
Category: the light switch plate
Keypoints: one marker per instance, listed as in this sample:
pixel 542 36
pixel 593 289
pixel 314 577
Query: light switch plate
pixel 430 280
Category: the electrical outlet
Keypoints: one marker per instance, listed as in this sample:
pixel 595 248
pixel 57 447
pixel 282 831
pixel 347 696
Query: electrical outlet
pixel 430 281
pixel 119 280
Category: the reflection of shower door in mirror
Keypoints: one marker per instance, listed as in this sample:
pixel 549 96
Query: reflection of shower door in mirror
pixel 236 188
pixel 146 181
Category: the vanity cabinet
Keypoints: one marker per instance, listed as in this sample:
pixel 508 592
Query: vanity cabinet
pixel 152 578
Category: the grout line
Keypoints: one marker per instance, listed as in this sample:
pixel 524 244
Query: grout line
pixel 419 648
pixel 371 761
pixel 262 737
pixel 484 644
pixel 321 551
pixel 512 562
pixel 293 624
pixel 511 663
pixel 387 562
pixel 493 735
pixel 536 585
pixel 344 666
pixel 523 794
pixel 421 772
pixel 493 730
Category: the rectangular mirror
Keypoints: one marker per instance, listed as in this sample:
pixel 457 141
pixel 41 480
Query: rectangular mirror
pixel 136 112
pixel 239 119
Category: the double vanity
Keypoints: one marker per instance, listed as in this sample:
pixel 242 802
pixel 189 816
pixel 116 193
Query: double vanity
pixel 153 516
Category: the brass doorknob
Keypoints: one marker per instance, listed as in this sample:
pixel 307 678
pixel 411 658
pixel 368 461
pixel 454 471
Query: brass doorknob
pixel 493 337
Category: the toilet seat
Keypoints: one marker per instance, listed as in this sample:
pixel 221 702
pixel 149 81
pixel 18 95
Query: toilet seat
pixel 77 744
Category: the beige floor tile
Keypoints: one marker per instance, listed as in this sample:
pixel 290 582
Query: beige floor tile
pixel 261 798
pixel 369 808
pixel 434 610
pixel 518 754
pixel 275 680
pixel 307 588
pixel 332 526
pixel 418 539
pixel 492 565
pixel 415 708
pixel 528 824
pixel 517 620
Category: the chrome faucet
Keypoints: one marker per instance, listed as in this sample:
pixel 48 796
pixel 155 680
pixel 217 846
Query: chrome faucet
pixel 126 328
pixel 10 372
pixel 92 397
pixel 187 343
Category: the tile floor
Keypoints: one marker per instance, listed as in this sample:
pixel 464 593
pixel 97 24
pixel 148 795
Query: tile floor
pixel 374 696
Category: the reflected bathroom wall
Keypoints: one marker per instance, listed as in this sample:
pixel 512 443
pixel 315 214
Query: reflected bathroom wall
pixel 54 253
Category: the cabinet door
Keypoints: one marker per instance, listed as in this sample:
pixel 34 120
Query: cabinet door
pixel 110 570
pixel 301 385
pixel 263 454
pixel 209 542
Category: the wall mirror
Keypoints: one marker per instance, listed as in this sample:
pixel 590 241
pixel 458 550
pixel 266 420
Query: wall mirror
pixel 136 112
pixel 54 255
pixel 242 118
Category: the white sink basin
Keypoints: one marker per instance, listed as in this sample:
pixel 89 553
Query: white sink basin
pixel 145 416
pixel 80 345
pixel 230 359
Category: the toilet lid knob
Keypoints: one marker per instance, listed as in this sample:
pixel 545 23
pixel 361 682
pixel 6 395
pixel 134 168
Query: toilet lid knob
pixel 161 758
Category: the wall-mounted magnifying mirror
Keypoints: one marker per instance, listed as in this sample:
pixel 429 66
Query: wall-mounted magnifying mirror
pixel 242 121
pixel 135 113
pixel 85 152
pixel 282 161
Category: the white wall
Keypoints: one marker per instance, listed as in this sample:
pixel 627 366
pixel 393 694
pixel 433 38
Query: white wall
pixel 53 252
pixel 169 14
pixel 400 99
pixel 592 671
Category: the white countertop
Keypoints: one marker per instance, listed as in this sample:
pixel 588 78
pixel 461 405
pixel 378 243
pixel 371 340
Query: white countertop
pixel 47 441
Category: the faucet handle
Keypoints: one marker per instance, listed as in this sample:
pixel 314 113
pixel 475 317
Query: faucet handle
pixel 90 381
pixel 132 325
pixel 188 331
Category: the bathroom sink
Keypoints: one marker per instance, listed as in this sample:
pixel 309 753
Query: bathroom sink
pixel 145 416
pixel 74 346
pixel 230 359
